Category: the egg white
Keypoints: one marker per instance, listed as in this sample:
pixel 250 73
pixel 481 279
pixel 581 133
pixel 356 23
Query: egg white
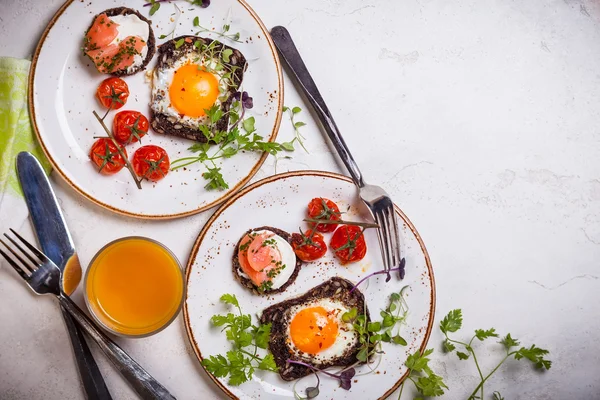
pixel 132 25
pixel 347 337
pixel 162 79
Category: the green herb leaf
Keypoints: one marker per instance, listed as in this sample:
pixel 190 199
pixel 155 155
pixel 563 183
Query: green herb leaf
pixel 535 355
pixel 162 36
pixel 216 365
pixel 482 335
pixel 363 354
pixel 497 396
pixel 248 125
pixel 226 54
pixel 196 21
pixel 448 346
pixel 268 363
pixel 399 340
pixel 262 335
pixel 179 43
pixel 285 108
pixel 154 8
pixel 349 316
pixel 509 342
pixel 462 356
pixel 296 110
pixel 374 326
pixel 299 124
pixel 451 322
pixel 229 299
pixel 288 146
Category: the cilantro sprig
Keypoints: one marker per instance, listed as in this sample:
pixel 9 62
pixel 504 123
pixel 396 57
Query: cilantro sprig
pixel 240 363
pixel 453 322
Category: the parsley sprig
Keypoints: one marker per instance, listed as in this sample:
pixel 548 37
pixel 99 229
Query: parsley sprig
pixel 240 363
pixel 427 383
pixel 453 322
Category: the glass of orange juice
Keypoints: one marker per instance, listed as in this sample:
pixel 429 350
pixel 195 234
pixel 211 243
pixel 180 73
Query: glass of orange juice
pixel 134 287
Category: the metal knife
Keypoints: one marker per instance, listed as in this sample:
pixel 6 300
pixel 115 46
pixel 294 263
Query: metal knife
pixel 56 243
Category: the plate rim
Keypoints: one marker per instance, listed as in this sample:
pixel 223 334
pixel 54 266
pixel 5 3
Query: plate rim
pixel 80 191
pixel 231 200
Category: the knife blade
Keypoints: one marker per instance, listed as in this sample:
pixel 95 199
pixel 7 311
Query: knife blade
pixel 56 242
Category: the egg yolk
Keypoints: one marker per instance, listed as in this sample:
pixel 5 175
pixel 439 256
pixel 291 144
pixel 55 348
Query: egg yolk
pixel 193 90
pixel 313 330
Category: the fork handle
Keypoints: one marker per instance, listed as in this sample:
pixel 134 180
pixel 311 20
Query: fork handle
pixel 140 380
pixel 284 43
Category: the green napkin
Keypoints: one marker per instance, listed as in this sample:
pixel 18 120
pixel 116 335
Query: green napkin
pixel 16 133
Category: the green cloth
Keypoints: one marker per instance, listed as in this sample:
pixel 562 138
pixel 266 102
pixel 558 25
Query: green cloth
pixel 16 133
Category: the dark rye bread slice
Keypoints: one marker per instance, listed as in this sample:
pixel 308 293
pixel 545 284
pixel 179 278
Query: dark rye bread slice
pixel 151 42
pixel 237 268
pixel 335 288
pixel 168 54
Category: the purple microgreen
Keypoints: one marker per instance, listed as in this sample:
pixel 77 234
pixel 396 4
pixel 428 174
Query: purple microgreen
pixel 205 3
pixel 345 377
pixel 400 270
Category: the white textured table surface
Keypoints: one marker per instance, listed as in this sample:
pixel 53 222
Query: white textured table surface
pixel 481 117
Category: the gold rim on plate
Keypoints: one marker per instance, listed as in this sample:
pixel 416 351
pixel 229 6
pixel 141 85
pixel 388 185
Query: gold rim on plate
pixel 256 185
pixel 231 192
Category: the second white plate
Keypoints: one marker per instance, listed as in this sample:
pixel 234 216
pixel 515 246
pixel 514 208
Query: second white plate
pixel 280 201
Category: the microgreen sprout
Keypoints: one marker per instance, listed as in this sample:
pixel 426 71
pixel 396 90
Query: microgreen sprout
pixel 296 124
pixel 155 4
pixel 235 37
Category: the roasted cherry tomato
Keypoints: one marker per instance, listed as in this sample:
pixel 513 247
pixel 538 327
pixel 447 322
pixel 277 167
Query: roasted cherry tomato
pixel 105 155
pixel 129 126
pixel 348 243
pixel 113 93
pixel 309 245
pixel 151 162
pixel 325 209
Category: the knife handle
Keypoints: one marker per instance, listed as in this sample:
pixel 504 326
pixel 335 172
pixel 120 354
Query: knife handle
pixel 141 381
pixel 93 382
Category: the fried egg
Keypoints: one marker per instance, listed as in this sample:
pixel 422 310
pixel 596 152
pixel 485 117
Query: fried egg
pixel 187 87
pixel 316 332
pixel 310 328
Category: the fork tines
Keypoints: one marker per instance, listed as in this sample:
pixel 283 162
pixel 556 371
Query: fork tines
pixel 27 267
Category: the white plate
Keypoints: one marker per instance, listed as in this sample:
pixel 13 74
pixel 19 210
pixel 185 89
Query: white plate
pixel 280 201
pixel 61 99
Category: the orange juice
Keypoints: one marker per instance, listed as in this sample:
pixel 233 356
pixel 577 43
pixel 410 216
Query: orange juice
pixel 134 286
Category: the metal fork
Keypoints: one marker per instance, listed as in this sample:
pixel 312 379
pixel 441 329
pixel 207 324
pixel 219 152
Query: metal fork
pixel 43 277
pixel 377 200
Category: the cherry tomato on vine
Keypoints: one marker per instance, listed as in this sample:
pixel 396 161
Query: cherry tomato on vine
pixel 309 245
pixel 348 243
pixel 105 155
pixel 129 126
pixel 151 162
pixel 112 93
pixel 325 209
